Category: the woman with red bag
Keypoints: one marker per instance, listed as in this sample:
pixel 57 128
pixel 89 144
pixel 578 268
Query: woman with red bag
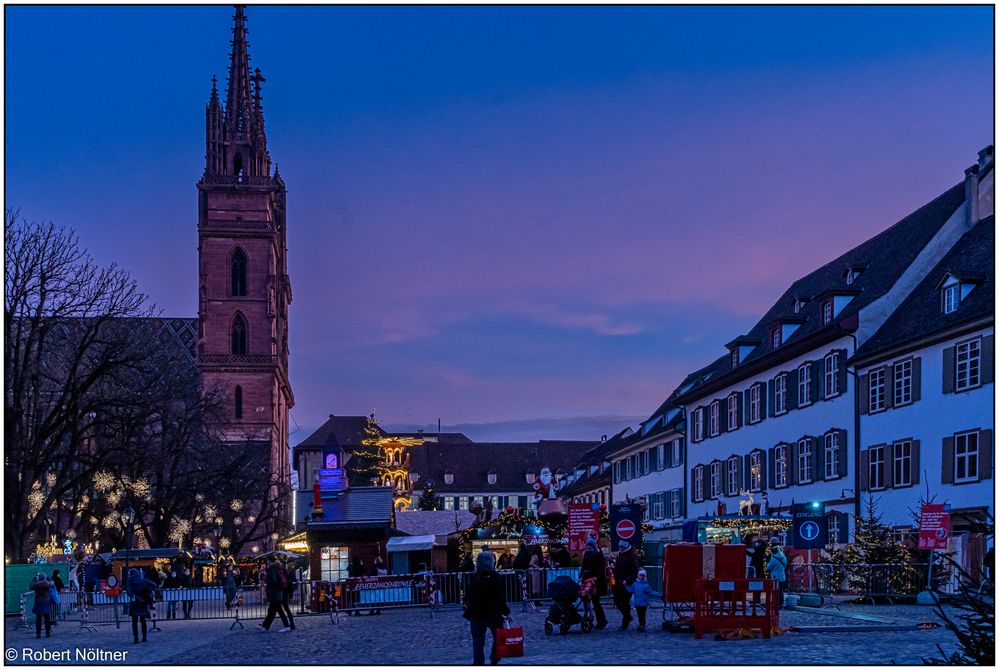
pixel 485 606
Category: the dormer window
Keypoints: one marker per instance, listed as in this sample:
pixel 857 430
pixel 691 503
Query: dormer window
pixel 850 273
pixel 530 477
pixel 799 304
pixel 735 357
pixel 827 312
pixel 448 477
pixel 775 337
pixel 491 477
pixel 951 298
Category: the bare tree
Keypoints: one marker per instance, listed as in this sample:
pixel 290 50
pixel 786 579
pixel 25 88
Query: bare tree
pixel 65 353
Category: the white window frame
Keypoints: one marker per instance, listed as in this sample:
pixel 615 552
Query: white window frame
pixel 832 374
pixel 698 424
pixel 951 298
pixel 968 365
pixel 674 503
pixel 876 391
pixel 780 394
pixel 756 471
pixel 463 502
pixel 714 419
pixel 755 393
pixel 491 477
pixel 780 466
pixel 967 451
pixel 657 506
pixel 901 463
pixel 876 475
pixel 806 464
pixel 902 383
pixel 732 476
pixel 832 529
pixel 449 478
pixel 775 338
pixel 831 460
pixel 827 312
pixel 677 447
pixel 698 483
pixel 733 411
pixel 735 357
pixel 716 480
pixel 804 384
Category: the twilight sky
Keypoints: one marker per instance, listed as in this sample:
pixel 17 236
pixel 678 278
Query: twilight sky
pixel 530 222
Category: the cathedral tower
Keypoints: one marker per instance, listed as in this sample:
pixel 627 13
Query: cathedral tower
pixel 242 261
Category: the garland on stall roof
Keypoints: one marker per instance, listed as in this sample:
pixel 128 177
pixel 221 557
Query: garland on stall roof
pixel 554 529
pixel 775 524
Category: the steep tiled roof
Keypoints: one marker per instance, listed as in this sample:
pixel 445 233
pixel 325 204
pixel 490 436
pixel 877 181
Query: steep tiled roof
pixel 342 431
pixel 920 315
pixel 422 522
pixel 884 258
pixel 510 461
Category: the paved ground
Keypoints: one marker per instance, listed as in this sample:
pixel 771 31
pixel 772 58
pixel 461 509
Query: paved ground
pixel 412 636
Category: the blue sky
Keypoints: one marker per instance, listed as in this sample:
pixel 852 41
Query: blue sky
pixel 505 214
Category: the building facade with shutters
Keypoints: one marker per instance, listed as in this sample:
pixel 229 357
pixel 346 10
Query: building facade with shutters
pixel 778 416
pixel 927 393
pixel 648 467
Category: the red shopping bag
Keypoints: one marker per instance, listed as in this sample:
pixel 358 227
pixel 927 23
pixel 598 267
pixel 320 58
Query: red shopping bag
pixel 509 642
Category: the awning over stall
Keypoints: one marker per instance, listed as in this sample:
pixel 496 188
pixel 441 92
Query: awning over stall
pixel 410 543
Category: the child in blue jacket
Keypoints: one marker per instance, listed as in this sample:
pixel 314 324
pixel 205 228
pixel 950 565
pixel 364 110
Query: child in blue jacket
pixel 641 591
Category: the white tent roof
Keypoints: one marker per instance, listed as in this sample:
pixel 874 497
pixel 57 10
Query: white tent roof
pixel 410 543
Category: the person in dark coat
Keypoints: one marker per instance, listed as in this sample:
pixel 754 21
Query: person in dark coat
pixel 561 558
pixel 757 558
pixel 276 584
pixel 596 564
pixel 466 563
pixel 42 610
pixel 229 588
pixel 291 585
pixel 625 572
pixel 184 581
pixel 141 591
pixel 523 559
pixel 356 568
pixel 485 606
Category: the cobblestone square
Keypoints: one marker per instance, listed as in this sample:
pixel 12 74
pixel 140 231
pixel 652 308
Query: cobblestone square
pixel 414 637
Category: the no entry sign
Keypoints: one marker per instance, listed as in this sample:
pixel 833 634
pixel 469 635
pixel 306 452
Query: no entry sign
pixel 625 529
pixel 626 525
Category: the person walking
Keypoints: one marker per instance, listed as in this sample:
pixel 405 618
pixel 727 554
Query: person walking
pixel 276 585
pixel 757 558
pixel 596 565
pixel 289 592
pixel 777 569
pixel 485 606
pixel 42 587
pixel 625 572
pixel 641 591
pixel 141 591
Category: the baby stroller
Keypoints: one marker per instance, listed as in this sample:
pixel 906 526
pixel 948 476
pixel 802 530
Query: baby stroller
pixel 564 611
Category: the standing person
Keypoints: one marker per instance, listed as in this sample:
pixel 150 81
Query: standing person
pixel 276 583
pixel 57 588
pixel 757 558
pixel 170 583
pixel 641 590
pixel 561 557
pixel 229 588
pixel 74 566
pixel 356 568
pixel 378 568
pixel 185 582
pixel 523 559
pixel 625 572
pixel 289 592
pixel 594 563
pixel 485 606
pixel 777 569
pixel 466 563
pixel 537 566
pixel 141 591
pixel 43 604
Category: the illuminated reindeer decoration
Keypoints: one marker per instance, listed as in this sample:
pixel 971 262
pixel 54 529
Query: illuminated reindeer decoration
pixel 746 506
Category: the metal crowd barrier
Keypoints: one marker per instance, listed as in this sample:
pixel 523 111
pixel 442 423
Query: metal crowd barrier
pixel 529 588
pixel 880 580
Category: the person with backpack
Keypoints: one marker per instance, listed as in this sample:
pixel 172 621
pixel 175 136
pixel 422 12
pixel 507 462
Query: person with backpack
pixel 276 583
pixel 291 585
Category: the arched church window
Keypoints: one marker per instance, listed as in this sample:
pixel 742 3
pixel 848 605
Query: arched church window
pixel 238 401
pixel 238 273
pixel 238 336
pixel 237 164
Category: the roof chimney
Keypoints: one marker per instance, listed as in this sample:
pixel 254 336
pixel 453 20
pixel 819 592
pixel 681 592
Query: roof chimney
pixel 971 194
pixel 985 159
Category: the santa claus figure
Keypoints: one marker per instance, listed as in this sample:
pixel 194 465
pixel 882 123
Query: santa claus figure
pixel 545 486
